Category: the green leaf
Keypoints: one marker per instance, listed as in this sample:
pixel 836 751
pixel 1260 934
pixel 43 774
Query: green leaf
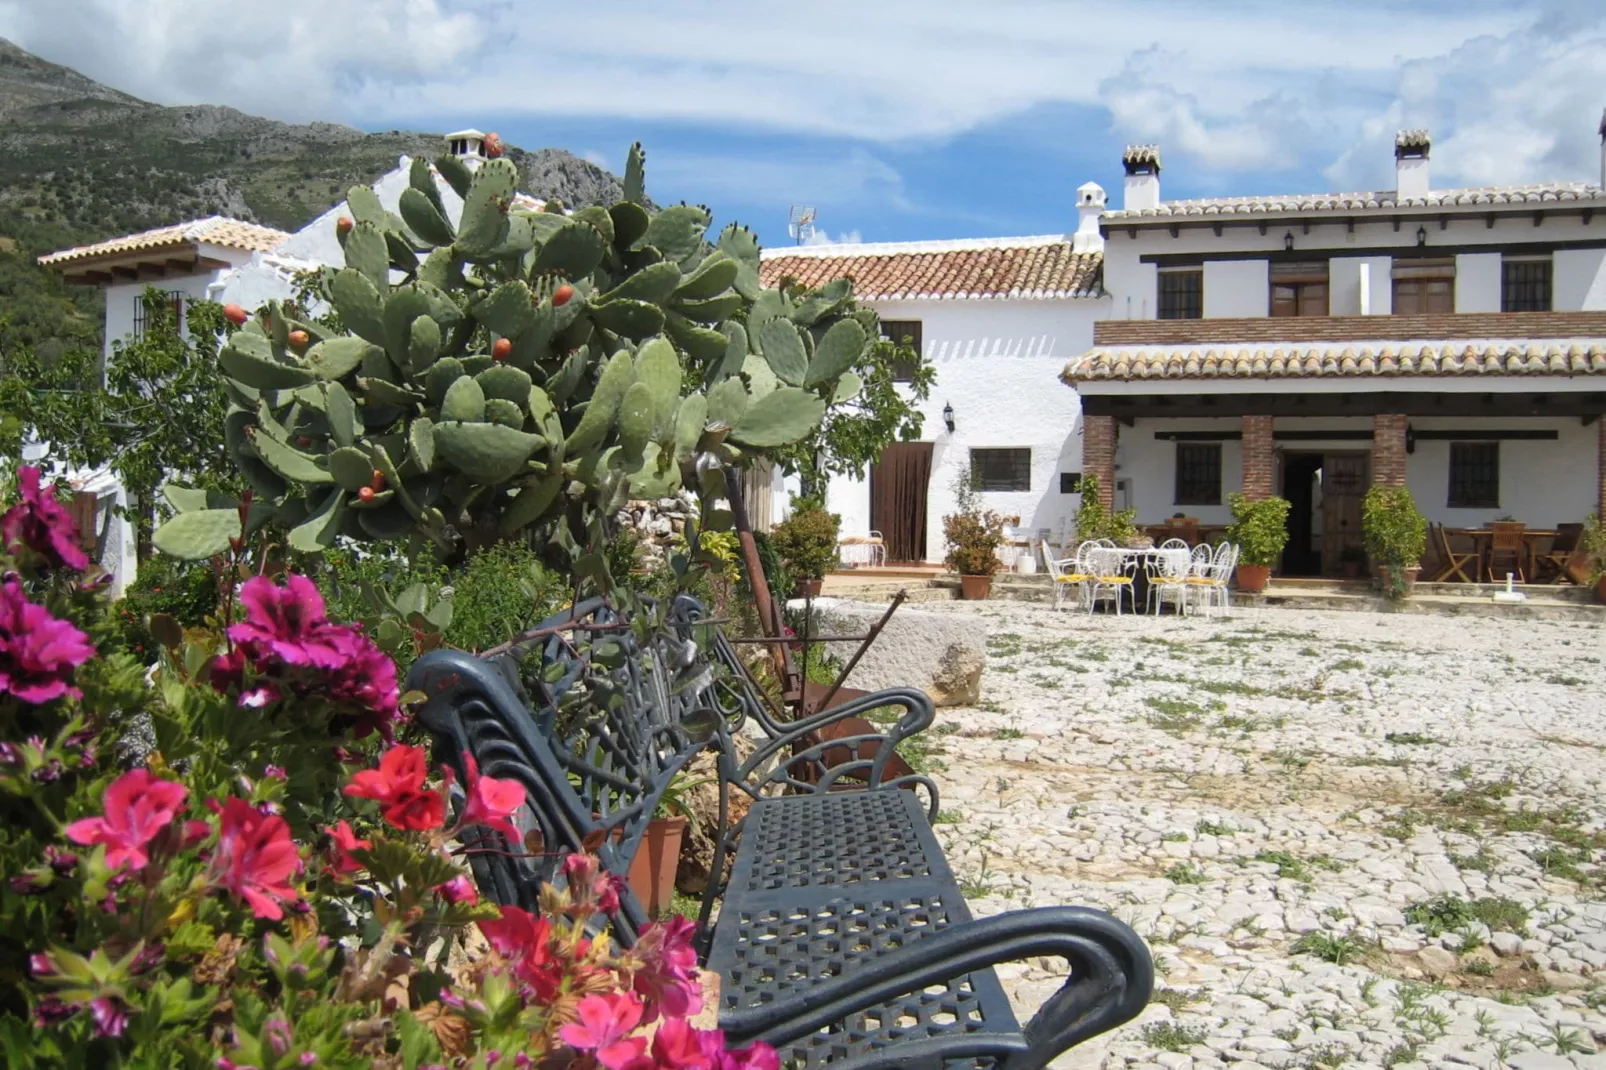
pixel 350 468
pixel 259 371
pixel 290 463
pixel 653 284
pixel 485 207
pixel 779 418
pixel 199 534
pixel 838 351
pixel 532 502
pixel 464 401
pixel 716 274
pixel 631 319
pixel 357 301
pixel 427 221
pixel 507 383
pixel 677 231
pixel 421 443
pixel 783 351
pixel 616 378
pixel 337 358
pixel 318 531
pixel 726 403
pixel 847 388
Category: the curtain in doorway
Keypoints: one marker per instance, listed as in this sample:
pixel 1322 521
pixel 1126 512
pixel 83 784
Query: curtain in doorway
pixel 898 499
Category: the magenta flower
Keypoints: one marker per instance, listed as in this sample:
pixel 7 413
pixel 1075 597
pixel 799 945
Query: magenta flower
pixel 255 857
pixel 666 969
pixel 490 802
pixel 110 1015
pixel 138 806
pixel 42 524
pixel 604 1029
pixel 37 651
pixel 365 679
pixel 287 623
pixel 458 890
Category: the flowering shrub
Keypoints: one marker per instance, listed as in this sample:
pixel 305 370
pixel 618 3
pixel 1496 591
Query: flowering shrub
pixel 234 865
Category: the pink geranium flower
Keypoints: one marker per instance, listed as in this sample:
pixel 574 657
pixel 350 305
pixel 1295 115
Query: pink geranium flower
pixel 525 941
pixel 666 969
pixel 38 652
pixel 346 841
pixel 604 1028
pixel 490 802
pixel 42 524
pixel 137 807
pixel 365 679
pixel 398 787
pixel 287 623
pixel 255 857
pixel 458 890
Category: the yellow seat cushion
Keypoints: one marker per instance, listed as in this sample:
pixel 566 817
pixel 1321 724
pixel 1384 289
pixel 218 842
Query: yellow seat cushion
pixel 1115 579
pixel 1203 580
pixel 1075 577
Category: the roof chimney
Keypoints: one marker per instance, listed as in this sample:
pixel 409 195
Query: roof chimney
pixel 1411 165
pixel 1089 206
pixel 1142 163
pixel 468 146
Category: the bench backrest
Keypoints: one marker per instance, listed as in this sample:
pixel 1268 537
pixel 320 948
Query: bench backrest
pixel 590 720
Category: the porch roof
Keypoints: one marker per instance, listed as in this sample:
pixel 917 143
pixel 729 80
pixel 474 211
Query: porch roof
pixel 1327 360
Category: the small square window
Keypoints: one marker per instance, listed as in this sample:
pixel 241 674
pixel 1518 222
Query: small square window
pixel 1525 286
pixel 1198 473
pixel 1001 469
pixel 1181 295
pixel 1068 482
pixel 903 333
pixel 1474 475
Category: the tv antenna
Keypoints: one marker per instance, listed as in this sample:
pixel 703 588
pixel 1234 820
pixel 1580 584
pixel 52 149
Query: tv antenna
pixel 800 223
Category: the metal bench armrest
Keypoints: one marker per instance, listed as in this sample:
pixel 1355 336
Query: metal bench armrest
pixel 1111 978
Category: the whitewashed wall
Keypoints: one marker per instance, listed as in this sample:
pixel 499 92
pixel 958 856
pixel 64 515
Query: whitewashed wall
pixel 1580 274
pixel 1344 286
pixel 998 365
pixel 123 299
pixel 1477 282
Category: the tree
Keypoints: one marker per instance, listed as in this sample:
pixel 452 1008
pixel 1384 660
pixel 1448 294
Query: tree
pixel 158 415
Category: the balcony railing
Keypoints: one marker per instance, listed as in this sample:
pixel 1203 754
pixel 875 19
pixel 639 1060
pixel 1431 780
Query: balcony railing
pixel 1513 325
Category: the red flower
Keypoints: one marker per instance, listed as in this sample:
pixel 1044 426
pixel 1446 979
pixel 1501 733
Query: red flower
pixel 345 841
pixel 525 942
pixel 604 1029
pixel 37 651
pixel 42 524
pixel 458 890
pixel 398 787
pixel 490 802
pixel 137 806
pixel 255 857
pixel 287 623
pixel 666 969
pixel 677 1046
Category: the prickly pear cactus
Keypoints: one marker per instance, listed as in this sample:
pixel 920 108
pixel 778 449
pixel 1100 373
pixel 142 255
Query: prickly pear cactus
pixel 514 371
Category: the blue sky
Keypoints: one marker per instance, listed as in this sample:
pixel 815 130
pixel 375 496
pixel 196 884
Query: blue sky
pixel 897 119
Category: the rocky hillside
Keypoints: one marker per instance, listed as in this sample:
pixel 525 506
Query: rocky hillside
pixel 80 161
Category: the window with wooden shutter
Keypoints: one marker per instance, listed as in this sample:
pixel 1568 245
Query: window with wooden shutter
pixel 1181 295
pixel 1001 469
pixel 1474 475
pixel 1299 289
pixel 1198 473
pixel 1424 287
pixel 1525 285
pixel 903 333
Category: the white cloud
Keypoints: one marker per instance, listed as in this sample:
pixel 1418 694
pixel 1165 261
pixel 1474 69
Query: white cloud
pixel 1233 86
pixel 843 237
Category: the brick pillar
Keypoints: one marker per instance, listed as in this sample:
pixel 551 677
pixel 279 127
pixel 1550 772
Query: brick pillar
pixel 1600 467
pixel 1260 461
pixel 1098 454
pixel 1388 449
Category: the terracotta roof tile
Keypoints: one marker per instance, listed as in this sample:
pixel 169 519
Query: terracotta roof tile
pixel 1211 207
pixel 1027 268
pixel 1583 356
pixel 213 230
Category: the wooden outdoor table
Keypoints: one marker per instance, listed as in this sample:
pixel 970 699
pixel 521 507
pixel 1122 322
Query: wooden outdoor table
pixel 1482 537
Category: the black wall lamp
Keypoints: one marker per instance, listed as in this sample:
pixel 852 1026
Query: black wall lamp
pixel 1421 235
pixel 1288 241
pixel 948 415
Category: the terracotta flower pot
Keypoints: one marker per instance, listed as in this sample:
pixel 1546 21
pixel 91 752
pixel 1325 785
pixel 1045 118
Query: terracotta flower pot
pixel 809 588
pixel 975 588
pixel 1252 579
pixel 1410 573
pixel 1600 589
pixel 652 871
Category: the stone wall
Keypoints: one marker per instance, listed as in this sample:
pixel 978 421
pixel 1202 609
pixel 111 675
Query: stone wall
pixel 658 524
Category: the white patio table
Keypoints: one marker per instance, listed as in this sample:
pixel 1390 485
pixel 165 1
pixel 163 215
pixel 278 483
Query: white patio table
pixel 1138 562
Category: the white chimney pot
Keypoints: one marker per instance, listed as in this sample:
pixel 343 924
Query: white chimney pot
pixel 1090 201
pixel 1411 165
pixel 1142 192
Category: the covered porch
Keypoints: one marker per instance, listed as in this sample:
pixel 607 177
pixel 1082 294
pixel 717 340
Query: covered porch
pixel 1482 446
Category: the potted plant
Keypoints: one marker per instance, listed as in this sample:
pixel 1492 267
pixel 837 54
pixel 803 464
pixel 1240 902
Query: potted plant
pixel 807 543
pixel 1353 560
pixel 1592 545
pixel 1260 531
pixel 973 536
pixel 652 871
pixel 1396 533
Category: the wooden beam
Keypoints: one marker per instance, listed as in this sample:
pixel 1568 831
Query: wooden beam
pixel 181 267
pixel 1444 222
pixel 1132 232
pixel 1217 228
pixel 126 272
pixel 1586 215
pixel 1174 229
pixel 1588 418
pixel 1488 221
pixel 1396 224
pixel 1349 225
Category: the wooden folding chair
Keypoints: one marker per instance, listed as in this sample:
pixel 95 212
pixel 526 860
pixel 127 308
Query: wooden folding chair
pixel 1506 550
pixel 1551 566
pixel 1455 563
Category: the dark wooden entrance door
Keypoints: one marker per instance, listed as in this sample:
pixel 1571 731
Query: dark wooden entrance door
pixel 1344 480
pixel 898 499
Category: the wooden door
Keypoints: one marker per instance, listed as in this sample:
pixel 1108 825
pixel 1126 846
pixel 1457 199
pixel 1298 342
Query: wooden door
pixel 898 499
pixel 1344 480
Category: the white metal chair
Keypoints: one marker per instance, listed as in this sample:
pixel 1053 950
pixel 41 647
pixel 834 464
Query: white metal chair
pixel 866 550
pixel 1112 573
pixel 1068 574
pixel 1209 589
pixel 1168 576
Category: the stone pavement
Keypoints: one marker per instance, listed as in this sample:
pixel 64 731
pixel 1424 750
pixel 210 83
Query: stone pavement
pixel 1349 839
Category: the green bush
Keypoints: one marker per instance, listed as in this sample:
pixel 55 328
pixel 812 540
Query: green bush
pixel 1593 543
pixel 972 534
pixel 807 540
pixel 344 571
pixel 499 592
pixel 183 590
pixel 1259 528
pixel 1396 532
pixel 1093 521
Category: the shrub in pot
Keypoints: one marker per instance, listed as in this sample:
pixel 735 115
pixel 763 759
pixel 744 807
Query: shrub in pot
pixel 1260 531
pixel 807 543
pixel 973 536
pixel 1396 533
pixel 1593 546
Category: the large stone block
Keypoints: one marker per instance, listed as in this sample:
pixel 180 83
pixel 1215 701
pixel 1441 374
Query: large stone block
pixel 941 654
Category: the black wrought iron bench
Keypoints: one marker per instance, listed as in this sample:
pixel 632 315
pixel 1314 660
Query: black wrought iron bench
pixel 842 937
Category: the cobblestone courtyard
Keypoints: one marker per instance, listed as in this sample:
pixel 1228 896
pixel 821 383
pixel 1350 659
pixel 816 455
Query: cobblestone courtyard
pixel 1350 839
